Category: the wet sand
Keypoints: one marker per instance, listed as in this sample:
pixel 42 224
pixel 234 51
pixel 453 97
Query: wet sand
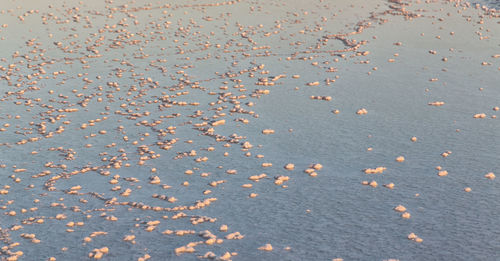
pixel 236 130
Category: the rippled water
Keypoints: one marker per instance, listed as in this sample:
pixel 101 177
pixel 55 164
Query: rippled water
pixel 173 51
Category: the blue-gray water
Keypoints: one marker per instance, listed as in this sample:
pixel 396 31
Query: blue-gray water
pixel 130 78
pixel 490 3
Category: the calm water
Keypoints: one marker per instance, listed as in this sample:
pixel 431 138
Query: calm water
pixel 199 53
pixel 490 3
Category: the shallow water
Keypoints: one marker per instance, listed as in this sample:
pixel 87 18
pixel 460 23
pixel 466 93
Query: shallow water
pixel 328 216
pixel 490 3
